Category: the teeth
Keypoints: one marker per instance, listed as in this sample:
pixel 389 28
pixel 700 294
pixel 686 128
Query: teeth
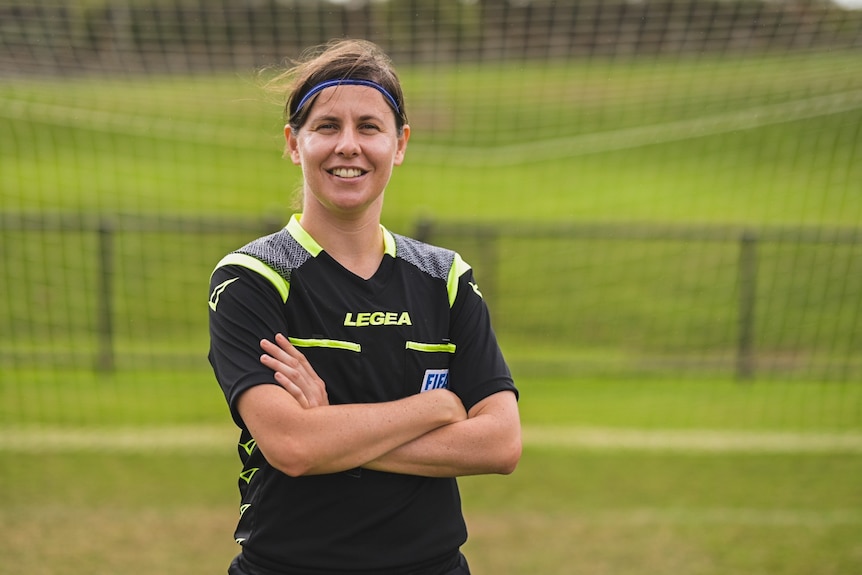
pixel 347 172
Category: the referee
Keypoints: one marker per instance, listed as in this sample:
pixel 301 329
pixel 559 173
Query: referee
pixel 360 365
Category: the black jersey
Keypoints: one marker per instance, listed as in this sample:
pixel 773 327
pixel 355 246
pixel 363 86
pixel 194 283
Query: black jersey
pixel 419 323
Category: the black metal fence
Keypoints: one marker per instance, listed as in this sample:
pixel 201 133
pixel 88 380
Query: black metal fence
pixel 569 296
pixel 735 298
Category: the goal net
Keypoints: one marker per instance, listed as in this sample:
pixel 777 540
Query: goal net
pixel 641 186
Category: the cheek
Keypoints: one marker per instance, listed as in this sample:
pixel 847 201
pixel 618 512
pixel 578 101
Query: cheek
pixel 386 152
pixel 306 152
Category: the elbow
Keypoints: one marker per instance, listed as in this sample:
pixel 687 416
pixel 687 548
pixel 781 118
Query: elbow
pixel 293 468
pixel 510 456
pixel 290 460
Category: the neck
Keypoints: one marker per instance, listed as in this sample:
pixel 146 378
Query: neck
pixel 355 243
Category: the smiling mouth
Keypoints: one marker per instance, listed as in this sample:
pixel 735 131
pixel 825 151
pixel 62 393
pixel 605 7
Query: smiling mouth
pixel 346 172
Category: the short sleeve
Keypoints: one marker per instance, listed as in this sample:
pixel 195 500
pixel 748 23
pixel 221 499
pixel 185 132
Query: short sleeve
pixel 244 307
pixel 478 368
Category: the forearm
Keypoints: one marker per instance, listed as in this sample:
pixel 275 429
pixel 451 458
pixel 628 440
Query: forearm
pixel 452 451
pixel 330 439
pixel 489 441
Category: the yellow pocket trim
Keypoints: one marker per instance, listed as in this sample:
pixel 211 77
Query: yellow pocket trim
pixel 431 347
pixel 328 343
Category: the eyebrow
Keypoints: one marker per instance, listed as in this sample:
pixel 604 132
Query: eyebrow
pixel 333 117
pixel 339 119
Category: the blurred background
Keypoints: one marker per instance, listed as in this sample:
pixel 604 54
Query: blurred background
pixel 662 202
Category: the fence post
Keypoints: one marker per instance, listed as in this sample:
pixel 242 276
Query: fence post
pixel 104 298
pixel 272 224
pixel 424 230
pixel 745 362
pixel 489 256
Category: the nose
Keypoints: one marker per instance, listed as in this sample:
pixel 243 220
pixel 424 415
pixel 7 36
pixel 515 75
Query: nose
pixel 348 143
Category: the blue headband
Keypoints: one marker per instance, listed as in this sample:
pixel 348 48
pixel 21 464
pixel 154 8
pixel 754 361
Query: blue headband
pixel 348 82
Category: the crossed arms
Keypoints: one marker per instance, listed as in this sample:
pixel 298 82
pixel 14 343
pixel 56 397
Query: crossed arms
pixel 428 434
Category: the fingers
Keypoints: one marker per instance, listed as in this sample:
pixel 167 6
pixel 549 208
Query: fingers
pixel 293 372
pixel 285 367
pixel 313 387
pixel 292 389
pixel 283 357
pixel 282 350
pixel 284 376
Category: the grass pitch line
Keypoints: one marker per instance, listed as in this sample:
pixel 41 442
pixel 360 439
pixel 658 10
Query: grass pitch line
pixel 503 155
pixel 215 439
pixel 197 438
pixel 729 516
pixel 640 136
pixel 135 125
pixel 694 440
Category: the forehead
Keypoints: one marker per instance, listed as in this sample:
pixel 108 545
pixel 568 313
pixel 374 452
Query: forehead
pixel 350 100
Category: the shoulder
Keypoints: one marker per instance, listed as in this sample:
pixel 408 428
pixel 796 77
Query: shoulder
pixel 280 251
pixel 272 258
pixel 438 263
pixel 433 260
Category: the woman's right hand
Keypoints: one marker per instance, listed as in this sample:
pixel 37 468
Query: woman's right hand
pixel 293 372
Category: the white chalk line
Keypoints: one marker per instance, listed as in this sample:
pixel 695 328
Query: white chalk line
pixel 504 155
pixel 222 439
pixel 651 134
pixel 132 125
pixel 692 440
pixel 739 516
pixel 638 517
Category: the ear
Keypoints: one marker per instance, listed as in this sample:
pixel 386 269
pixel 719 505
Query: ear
pixel 291 145
pixel 402 145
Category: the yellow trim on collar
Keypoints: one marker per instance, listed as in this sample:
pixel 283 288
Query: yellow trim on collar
pixel 299 234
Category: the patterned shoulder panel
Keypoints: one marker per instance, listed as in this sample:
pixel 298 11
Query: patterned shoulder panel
pixel 433 260
pixel 280 251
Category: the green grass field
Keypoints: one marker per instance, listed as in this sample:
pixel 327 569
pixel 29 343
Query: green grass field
pixel 679 472
pixel 617 477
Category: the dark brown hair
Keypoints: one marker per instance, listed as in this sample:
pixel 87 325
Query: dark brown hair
pixel 337 60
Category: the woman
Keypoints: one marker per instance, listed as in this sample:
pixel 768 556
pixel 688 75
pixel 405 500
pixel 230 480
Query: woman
pixel 381 380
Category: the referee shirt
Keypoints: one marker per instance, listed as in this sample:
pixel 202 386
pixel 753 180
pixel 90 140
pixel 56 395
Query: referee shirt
pixel 418 324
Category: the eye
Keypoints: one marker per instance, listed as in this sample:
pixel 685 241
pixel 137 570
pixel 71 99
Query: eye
pixel 326 127
pixel 369 127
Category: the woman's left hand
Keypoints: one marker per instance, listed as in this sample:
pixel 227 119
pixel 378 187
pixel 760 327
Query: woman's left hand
pixel 293 372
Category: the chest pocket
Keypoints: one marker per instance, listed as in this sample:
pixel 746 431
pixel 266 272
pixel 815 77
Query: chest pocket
pixel 338 364
pixel 427 366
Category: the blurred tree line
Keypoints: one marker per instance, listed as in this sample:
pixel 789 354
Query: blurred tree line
pixel 62 36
